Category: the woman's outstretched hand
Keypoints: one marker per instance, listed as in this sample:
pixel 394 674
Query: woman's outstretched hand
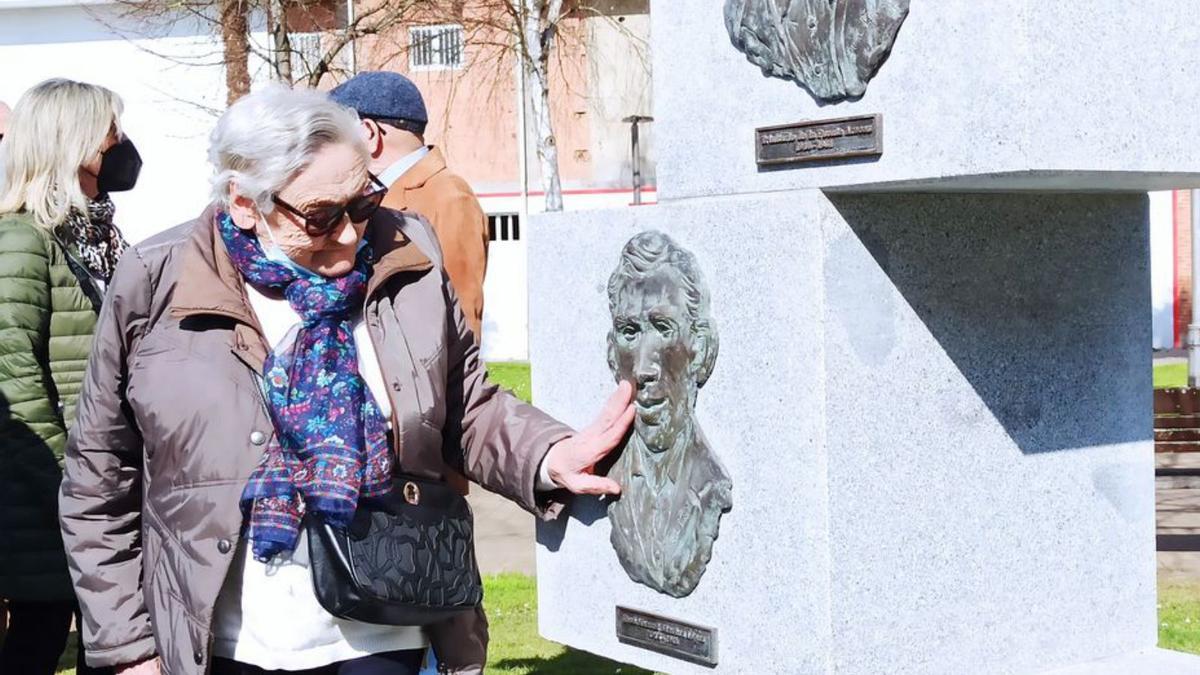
pixel 572 461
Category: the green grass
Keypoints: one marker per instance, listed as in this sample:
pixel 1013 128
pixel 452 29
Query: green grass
pixel 1179 617
pixel 512 375
pixel 516 648
pixel 1170 375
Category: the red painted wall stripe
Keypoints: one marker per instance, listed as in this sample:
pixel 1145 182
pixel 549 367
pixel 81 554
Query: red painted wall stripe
pixel 585 191
pixel 1181 217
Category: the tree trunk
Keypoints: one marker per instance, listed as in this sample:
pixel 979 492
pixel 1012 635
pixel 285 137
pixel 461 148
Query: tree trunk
pixel 547 146
pixel 280 42
pixel 235 40
pixel 539 39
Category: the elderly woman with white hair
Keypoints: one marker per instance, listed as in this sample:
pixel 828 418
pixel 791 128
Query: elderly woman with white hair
pixel 63 152
pixel 277 390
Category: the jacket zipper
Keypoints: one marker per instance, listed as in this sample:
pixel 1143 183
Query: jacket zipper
pixel 372 320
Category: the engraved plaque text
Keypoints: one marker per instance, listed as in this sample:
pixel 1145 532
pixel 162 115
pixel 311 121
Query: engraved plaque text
pixel 667 636
pixel 820 140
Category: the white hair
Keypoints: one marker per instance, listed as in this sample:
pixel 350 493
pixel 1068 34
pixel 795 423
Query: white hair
pixel 56 127
pixel 266 138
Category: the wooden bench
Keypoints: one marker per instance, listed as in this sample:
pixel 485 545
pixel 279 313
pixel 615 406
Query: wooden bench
pixel 1177 439
pixel 1176 420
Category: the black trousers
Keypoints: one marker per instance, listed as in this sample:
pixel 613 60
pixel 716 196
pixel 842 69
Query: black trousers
pixel 406 662
pixel 37 635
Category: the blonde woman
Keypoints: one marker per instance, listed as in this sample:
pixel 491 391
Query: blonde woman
pixel 62 153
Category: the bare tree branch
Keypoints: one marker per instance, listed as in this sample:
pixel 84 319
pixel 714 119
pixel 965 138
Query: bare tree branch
pixel 528 34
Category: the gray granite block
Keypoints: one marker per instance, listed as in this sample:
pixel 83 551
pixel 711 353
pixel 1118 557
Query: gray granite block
pixel 769 570
pixel 990 456
pixel 934 411
pixel 975 96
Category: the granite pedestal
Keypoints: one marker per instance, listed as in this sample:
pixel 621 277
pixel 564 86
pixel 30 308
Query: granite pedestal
pixel 934 389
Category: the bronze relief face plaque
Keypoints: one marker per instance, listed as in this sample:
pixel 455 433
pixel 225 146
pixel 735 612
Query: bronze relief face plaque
pixel 817 140
pixel 667 636
pixel 832 48
pixel 663 340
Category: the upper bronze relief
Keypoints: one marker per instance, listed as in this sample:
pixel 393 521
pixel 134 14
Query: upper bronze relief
pixel 830 47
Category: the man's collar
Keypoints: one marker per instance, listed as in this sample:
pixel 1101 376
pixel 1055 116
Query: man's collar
pixel 427 167
pixel 401 166
pixel 415 178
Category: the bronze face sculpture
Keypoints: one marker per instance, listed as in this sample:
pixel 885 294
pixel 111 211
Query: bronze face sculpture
pixel 674 488
pixel 831 47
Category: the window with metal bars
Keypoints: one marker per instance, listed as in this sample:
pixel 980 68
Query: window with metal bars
pixel 504 227
pixel 309 48
pixel 435 47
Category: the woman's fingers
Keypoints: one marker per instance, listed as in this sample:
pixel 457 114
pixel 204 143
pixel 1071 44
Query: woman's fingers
pixel 578 456
pixel 613 407
pixel 611 437
pixel 588 484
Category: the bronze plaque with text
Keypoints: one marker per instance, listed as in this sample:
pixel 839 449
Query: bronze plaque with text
pixel 667 636
pixel 816 140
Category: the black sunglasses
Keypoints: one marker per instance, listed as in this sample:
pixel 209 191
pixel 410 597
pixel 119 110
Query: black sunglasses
pixel 321 220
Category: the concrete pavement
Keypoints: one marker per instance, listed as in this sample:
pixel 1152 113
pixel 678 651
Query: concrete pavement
pixel 504 539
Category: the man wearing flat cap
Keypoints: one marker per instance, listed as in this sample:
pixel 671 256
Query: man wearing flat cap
pixel 394 118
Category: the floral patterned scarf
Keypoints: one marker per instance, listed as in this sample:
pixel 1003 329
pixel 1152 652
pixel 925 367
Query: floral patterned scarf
pixel 331 446
pixel 93 237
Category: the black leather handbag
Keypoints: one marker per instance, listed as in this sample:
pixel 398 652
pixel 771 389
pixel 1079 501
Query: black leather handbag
pixel 407 559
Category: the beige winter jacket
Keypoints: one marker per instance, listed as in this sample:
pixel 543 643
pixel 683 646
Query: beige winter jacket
pixel 171 423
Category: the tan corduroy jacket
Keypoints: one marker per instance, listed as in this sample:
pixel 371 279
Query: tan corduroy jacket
pixel 449 204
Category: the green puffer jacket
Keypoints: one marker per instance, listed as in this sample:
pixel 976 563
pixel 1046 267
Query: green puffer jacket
pixel 46 324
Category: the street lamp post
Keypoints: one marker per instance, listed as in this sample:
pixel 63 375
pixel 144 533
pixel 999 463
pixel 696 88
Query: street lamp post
pixel 634 121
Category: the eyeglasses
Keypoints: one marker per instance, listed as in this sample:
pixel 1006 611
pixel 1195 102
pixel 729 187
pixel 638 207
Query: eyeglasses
pixel 320 221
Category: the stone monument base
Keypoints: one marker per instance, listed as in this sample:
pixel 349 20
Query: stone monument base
pixel 935 412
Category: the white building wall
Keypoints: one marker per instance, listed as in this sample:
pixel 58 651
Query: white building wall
pixel 506 303
pixel 505 288
pixel 171 90
pixel 1162 269
pixel 619 85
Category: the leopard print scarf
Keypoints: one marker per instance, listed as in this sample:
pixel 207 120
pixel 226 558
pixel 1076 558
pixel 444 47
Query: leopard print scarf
pixel 93 238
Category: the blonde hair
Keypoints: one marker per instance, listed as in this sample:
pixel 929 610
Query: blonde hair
pixel 55 128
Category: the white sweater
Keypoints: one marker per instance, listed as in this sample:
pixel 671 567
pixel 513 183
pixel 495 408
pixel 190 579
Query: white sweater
pixel 267 614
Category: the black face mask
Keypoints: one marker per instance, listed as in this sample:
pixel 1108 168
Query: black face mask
pixel 119 167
